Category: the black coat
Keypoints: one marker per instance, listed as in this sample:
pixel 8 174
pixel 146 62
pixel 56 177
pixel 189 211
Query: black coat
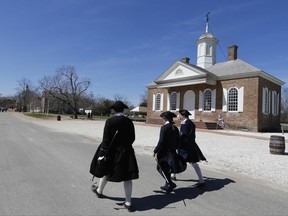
pixel 188 147
pixel 122 159
pixel 167 156
pixel 168 140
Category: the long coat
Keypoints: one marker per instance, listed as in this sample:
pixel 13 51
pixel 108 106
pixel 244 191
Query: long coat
pixel 166 149
pixel 122 160
pixel 188 147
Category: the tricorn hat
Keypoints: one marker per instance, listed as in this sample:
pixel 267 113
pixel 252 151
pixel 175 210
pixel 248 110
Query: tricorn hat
pixel 184 112
pixel 119 105
pixel 168 114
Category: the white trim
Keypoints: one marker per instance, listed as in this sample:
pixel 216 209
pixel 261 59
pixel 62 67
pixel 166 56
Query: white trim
pixel 200 101
pixel 224 100
pixel 241 99
pixel 213 101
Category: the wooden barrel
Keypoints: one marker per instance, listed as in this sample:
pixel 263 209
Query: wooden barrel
pixel 277 145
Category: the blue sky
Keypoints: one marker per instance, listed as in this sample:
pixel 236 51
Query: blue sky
pixel 123 45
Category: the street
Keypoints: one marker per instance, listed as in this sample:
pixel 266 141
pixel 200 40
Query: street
pixel 44 172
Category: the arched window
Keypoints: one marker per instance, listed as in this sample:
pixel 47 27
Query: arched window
pixel 158 102
pixel 207 100
pixel 173 101
pixel 233 99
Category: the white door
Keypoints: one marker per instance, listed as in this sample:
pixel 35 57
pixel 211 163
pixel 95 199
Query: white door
pixel 189 103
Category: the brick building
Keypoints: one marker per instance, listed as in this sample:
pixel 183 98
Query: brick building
pixel 243 95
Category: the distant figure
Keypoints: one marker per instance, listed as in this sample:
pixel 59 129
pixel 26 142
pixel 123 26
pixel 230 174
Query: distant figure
pixel 123 164
pixel 221 122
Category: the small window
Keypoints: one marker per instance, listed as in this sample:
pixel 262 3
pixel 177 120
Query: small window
pixel 207 100
pixel 233 99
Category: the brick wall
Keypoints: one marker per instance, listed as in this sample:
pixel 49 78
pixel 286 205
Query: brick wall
pixel 251 118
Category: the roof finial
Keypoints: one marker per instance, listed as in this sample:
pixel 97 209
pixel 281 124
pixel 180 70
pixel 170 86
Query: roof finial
pixel 207 20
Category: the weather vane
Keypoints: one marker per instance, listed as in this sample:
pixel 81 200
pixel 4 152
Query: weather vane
pixel 207 19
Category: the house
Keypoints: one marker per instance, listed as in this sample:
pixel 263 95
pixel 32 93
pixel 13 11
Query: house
pixel 244 96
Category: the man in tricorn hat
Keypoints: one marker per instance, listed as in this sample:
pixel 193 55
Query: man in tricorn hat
pixel 167 144
pixel 188 147
pixel 118 137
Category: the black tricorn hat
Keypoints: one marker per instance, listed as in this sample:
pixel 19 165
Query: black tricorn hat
pixel 184 112
pixel 119 105
pixel 168 114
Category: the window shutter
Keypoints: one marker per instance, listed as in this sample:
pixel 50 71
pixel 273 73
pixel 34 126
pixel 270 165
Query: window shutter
pixel 200 101
pixel 224 100
pixel 263 100
pixel 178 101
pixel 154 102
pixel 168 102
pixel 269 101
pixel 213 101
pixel 273 103
pixel 241 99
pixel 161 104
pixel 278 96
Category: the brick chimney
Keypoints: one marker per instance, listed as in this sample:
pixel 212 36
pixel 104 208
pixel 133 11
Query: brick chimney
pixel 185 60
pixel 232 52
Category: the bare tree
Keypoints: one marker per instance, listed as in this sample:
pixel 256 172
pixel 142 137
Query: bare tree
pixel 24 94
pixel 118 97
pixel 66 86
pixel 143 99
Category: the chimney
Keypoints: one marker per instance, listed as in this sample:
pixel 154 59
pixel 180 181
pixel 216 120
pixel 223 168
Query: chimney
pixel 185 60
pixel 232 52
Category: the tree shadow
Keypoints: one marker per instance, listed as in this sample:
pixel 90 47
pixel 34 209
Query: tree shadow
pixel 160 200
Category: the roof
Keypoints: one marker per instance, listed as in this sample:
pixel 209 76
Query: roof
pixel 232 67
pixel 182 73
pixel 240 69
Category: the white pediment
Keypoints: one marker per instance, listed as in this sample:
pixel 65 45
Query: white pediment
pixel 181 72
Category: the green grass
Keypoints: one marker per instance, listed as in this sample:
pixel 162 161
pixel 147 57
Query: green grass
pixel 285 126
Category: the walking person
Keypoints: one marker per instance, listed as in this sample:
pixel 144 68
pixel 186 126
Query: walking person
pixel 122 162
pixel 166 149
pixel 188 147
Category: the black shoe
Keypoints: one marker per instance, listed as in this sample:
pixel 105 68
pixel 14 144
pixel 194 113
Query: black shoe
pixel 129 208
pixel 200 185
pixel 94 189
pixel 168 188
pixel 165 186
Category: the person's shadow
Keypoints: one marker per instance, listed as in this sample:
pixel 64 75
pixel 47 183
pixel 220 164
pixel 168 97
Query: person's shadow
pixel 158 200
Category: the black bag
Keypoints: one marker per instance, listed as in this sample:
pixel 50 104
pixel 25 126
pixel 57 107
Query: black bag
pixel 100 168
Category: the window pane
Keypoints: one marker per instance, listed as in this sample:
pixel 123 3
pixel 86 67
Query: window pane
pixel 233 100
pixel 173 101
pixel 207 100
pixel 158 102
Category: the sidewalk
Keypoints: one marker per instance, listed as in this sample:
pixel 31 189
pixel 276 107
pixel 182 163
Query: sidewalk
pixel 238 151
